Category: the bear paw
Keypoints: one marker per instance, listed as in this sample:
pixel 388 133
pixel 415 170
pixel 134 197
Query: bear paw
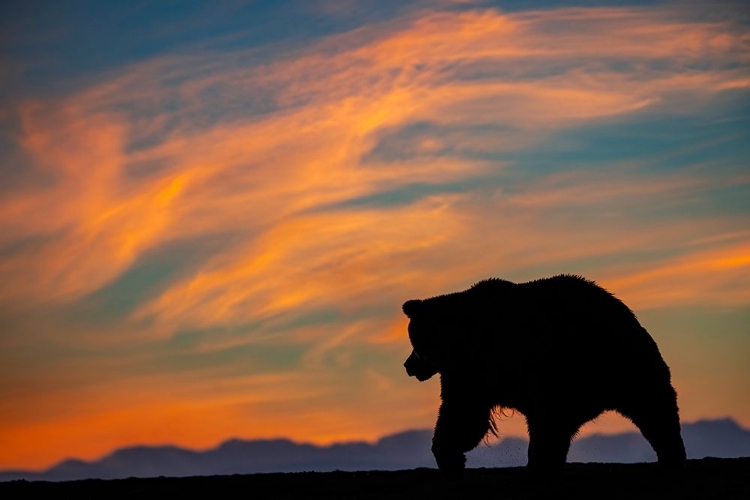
pixel 451 464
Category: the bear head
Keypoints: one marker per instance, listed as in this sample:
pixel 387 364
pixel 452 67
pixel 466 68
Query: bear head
pixel 429 331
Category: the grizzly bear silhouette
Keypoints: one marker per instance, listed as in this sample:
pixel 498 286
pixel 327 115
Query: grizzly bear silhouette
pixel 559 350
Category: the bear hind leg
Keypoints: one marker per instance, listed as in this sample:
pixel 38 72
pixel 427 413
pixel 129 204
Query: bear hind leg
pixel 659 422
pixel 549 443
pixel 551 433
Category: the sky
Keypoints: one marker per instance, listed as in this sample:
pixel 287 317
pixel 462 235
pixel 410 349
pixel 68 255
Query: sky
pixel 211 212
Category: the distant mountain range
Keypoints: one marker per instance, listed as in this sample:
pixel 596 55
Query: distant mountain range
pixel 407 450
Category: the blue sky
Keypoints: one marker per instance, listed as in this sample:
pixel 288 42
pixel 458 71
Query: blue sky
pixel 210 214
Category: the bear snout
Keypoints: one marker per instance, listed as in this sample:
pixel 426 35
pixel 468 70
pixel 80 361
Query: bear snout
pixel 418 367
pixel 409 364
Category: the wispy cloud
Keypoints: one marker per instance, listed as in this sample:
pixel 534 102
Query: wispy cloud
pixel 327 112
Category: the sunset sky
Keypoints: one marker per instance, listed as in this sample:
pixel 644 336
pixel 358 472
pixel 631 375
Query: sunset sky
pixel 211 212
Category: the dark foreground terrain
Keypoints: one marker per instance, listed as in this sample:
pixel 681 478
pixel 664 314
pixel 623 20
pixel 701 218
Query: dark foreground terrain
pixel 702 479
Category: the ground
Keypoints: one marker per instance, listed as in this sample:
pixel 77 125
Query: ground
pixel 701 479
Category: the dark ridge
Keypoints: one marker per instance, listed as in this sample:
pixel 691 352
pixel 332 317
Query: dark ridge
pixel 701 479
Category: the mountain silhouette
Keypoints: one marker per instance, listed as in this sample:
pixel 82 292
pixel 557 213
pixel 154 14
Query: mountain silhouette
pixel 722 438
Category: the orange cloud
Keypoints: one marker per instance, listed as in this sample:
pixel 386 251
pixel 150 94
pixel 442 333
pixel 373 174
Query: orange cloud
pixel 695 278
pixel 200 409
pixel 251 174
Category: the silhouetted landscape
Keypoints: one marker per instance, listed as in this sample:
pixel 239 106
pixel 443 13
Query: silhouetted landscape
pixel 403 451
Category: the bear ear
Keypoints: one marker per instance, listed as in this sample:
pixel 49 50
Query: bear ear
pixel 412 307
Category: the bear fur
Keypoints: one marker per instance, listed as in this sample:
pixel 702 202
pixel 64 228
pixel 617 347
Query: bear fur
pixel 559 350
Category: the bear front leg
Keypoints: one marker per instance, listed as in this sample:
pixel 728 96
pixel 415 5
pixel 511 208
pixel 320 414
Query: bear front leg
pixel 461 425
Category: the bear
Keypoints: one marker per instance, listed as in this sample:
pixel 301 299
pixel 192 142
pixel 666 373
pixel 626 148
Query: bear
pixel 560 351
